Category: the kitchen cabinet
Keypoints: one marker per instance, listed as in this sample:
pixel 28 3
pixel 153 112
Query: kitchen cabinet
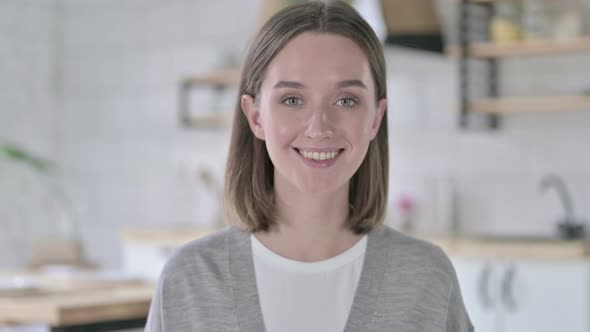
pixel 144 260
pixel 145 251
pixel 514 295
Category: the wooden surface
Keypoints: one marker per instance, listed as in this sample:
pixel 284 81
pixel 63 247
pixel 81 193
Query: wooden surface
pixel 60 302
pixel 461 246
pixel 417 17
pixel 221 77
pixel 218 78
pixel 529 48
pixel 169 237
pixel 530 104
pixel 212 120
pixel 511 249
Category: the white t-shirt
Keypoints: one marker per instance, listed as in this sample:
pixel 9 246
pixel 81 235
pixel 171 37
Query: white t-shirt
pixel 299 296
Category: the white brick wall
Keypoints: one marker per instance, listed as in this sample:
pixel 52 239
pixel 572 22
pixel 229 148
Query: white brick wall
pixel 28 117
pixel 121 139
pixel 496 173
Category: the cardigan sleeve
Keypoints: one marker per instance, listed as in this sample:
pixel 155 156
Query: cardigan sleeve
pixel 154 321
pixel 457 317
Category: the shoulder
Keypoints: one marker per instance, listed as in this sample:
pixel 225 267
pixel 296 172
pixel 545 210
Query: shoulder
pixel 419 282
pixel 194 290
pixel 204 255
pixel 412 254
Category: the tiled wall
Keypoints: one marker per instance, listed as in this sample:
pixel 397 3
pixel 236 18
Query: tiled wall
pixel 495 173
pixel 129 164
pixel 28 116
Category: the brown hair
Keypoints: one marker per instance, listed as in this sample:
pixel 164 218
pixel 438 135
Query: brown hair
pixel 249 177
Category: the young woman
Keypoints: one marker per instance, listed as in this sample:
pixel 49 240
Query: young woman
pixel 306 191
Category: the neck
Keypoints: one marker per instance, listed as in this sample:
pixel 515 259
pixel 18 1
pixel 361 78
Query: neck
pixel 311 227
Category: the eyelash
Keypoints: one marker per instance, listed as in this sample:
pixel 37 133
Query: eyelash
pixel 288 98
pixel 353 100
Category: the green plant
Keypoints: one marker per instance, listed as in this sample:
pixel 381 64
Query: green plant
pixel 18 154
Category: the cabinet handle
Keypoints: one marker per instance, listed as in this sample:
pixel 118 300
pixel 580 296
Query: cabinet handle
pixel 507 288
pixel 483 284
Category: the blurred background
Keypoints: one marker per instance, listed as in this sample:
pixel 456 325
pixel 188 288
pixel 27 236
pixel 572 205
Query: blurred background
pixel 115 123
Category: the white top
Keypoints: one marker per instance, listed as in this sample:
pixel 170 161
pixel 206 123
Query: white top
pixel 300 296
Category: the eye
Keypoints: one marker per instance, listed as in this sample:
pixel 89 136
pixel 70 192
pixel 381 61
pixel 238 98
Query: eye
pixel 346 102
pixel 292 101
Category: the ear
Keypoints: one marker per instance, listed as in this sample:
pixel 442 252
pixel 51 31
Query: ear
pixel 253 115
pixel 381 108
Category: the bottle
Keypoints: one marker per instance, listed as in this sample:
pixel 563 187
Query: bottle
pixel 405 205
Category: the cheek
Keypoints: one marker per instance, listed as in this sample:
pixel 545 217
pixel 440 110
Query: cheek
pixel 358 127
pixel 279 132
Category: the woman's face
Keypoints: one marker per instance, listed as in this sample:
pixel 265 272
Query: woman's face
pixel 316 112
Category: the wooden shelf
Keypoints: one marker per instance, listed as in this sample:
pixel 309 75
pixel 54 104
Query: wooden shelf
pixel 165 236
pixel 211 120
pixel 530 104
pixel 477 1
pixel 529 48
pixel 230 76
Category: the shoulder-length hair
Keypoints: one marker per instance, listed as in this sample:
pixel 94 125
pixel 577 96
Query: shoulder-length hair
pixel 249 178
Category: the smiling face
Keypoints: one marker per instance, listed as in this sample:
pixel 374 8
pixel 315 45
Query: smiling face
pixel 316 111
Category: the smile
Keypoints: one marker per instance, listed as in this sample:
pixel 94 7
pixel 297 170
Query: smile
pixel 321 159
pixel 314 155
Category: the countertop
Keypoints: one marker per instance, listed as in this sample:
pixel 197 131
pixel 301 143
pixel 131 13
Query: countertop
pixel 463 246
pixel 537 249
pixel 59 301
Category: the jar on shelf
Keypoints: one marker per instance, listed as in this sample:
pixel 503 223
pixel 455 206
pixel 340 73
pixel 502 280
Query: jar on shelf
pixel 505 25
pixel 569 20
pixel 537 19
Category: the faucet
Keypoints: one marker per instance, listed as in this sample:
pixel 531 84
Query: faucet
pixel 570 228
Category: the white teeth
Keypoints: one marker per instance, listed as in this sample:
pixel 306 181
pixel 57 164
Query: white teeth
pixel 319 155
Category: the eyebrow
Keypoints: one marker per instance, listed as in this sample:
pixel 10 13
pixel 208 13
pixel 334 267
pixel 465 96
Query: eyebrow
pixel 341 84
pixel 289 84
pixel 347 83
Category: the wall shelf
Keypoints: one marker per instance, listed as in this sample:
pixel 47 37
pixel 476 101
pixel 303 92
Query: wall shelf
pixel 222 77
pixel 219 80
pixel 476 99
pixel 529 48
pixel 213 120
pixel 529 104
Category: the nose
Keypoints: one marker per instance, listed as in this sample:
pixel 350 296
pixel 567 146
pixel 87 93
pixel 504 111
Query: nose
pixel 319 126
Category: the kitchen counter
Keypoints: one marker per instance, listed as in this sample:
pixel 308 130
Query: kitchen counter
pixel 464 246
pixel 542 249
pixel 165 237
pixel 67 302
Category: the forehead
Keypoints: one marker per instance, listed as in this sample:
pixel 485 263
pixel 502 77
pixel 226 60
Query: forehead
pixel 319 58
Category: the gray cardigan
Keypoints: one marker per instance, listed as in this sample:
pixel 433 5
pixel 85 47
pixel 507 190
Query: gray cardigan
pixel 406 285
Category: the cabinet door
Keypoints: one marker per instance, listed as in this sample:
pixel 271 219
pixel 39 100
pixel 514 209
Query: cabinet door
pixel 478 281
pixel 545 296
pixel 144 260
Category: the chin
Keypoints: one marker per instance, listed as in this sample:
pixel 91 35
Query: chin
pixel 319 187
